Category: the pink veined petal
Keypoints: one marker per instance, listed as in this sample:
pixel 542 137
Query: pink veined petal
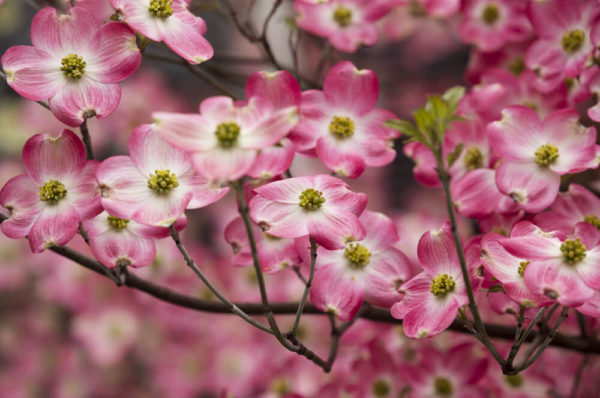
pixel 279 87
pixel 577 152
pixel 337 159
pixel 339 195
pixel 83 193
pixel 186 131
pixel 335 292
pixel 195 48
pixel 533 187
pixel 224 164
pixel 135 14
pixel 387 270
pixel 149 152
pixel 218 109
pixel 591 307
pixel 313 117
pixel 381 230
pixel 21 197
pixel 32 73
pixel 414 292
pixel 588 268
pixel 276 254
pixel 97 225
pixel 432 317
pixel 270 130
pixel 124 189
pixel 424 170
pixel 532 247
pixel 163 210
pixel 55 226
pixel 63 34
pixel 286 191
pixel 517 135
pixel 117 246
pixel 115 55
pixel 476 193
pixel 204 192
pixel 83 98
pixel 332 228
pixel 349 39
pixel 437 253
pixel 278 219
pixel 59 157
pixel 274 160
pixel 351 89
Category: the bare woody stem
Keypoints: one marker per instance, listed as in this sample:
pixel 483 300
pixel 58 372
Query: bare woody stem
pixel 444 178
pixel 313 260
pixel 87 140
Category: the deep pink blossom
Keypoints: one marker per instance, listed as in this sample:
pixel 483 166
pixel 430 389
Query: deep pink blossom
pixel 536 153
pixel 321 206
pixel 342 125
pixel 432 298
pixel 168 21
pixel 370 270
pixel 57 191
pixel 156 184
pixel 74 63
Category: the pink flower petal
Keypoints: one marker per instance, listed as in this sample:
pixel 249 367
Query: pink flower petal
pixel 476 193
pixel 335 292
pixel 21 197
pixel 381 230
pixel 83 194
pixel 338 194
pixel 204 192
pixel 186 131
pixel 270 130
pixel 55 226
pixel 163 210
pixel 278 219
pixel 32 73
pixel 63 34
pixel 387 270
pixel 337 159
pixel 437 252
pixel 224 164
pixel 414 292
pixel 149 152
pixel 274 160
pixel 83 98
pixel 351 89
pixel 59 157
pixel 279 87
pixel 432 317
pixel 115 246
pixel 332 228
pixel 195 48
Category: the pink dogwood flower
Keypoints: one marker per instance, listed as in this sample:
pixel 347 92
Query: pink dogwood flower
pixel 347 24
pixel 156 184
pixel 274 253
pixel 562 268
pixel 490 24
pixel 74 63
pixel 57 191
pixel 432 298
pixel 168 21
pixel 224 139
pixel 566 30
pixel 536 153
pixel 370 269
pixel 120 242
pixel 342 125
pixel 321 206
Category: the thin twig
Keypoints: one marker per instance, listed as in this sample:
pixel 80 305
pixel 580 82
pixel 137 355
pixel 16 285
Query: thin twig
pixel 579 375
pixel 296 270
pixel 313 260
pixel 87 140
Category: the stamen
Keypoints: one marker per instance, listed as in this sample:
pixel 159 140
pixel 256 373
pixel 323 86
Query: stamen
pixel 311 199
pixel 52 192
pixel 73 66
pixel 341 127
pixel 342 16
pixel 546 154
pixel 358 255
pixel 163 181
pixel 227 134
pixel 117 223
pixel 573 40
pixel 161 8
pixel 573 251
pixel 442 284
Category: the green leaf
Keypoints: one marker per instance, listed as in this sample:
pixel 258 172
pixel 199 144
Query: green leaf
pixel 455 154
pixel 452 96
pixel 496 288
pixel 403 126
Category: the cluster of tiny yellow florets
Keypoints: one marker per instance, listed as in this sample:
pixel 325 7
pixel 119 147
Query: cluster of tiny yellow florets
pixel 573 250
pixel 73 66
pixel 117 223
pixel 161 8
pixel 572 41
pixel 343 16
pixel 163 181
pixel 357 255
pixel 52 192
pixel 442 285
pixel 227 134
pixel 546 154
pixel 311 199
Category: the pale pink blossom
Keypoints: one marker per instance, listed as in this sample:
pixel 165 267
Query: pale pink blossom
pixel 57 191
pixel 536 153
pixel 370 270
pixel 341 124
pixel 432 298
pixel 171 22
pixel 321 206
pixel 74 63
pixel 156 184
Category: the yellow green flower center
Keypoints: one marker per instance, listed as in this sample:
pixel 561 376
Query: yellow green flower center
pixel 117 223
pixel 73 66
pixel 227 134
pixel 161 8
pixel 381 388
pixel 572 41
pixel 473 158
pixel 490 14
pixel 573 251
pixel 341 127
pixel 280 387
pixel 517 66
pixel 342 16
pixel 592 219
pixel 545 155
pixel 358 256
pixel 443 386
pixel 514 380
pixel 442 285
pixel 162 181
pixel 311 199
pixel 523 266
pixel 52 192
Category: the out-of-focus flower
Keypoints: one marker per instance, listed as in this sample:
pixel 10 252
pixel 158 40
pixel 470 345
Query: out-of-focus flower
pixel 168 21
pixel 342 125
pixel 156 184
pixel 536 153
pixel 57 191
pixel 320 206
pixel 74 63
pixel 370 270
